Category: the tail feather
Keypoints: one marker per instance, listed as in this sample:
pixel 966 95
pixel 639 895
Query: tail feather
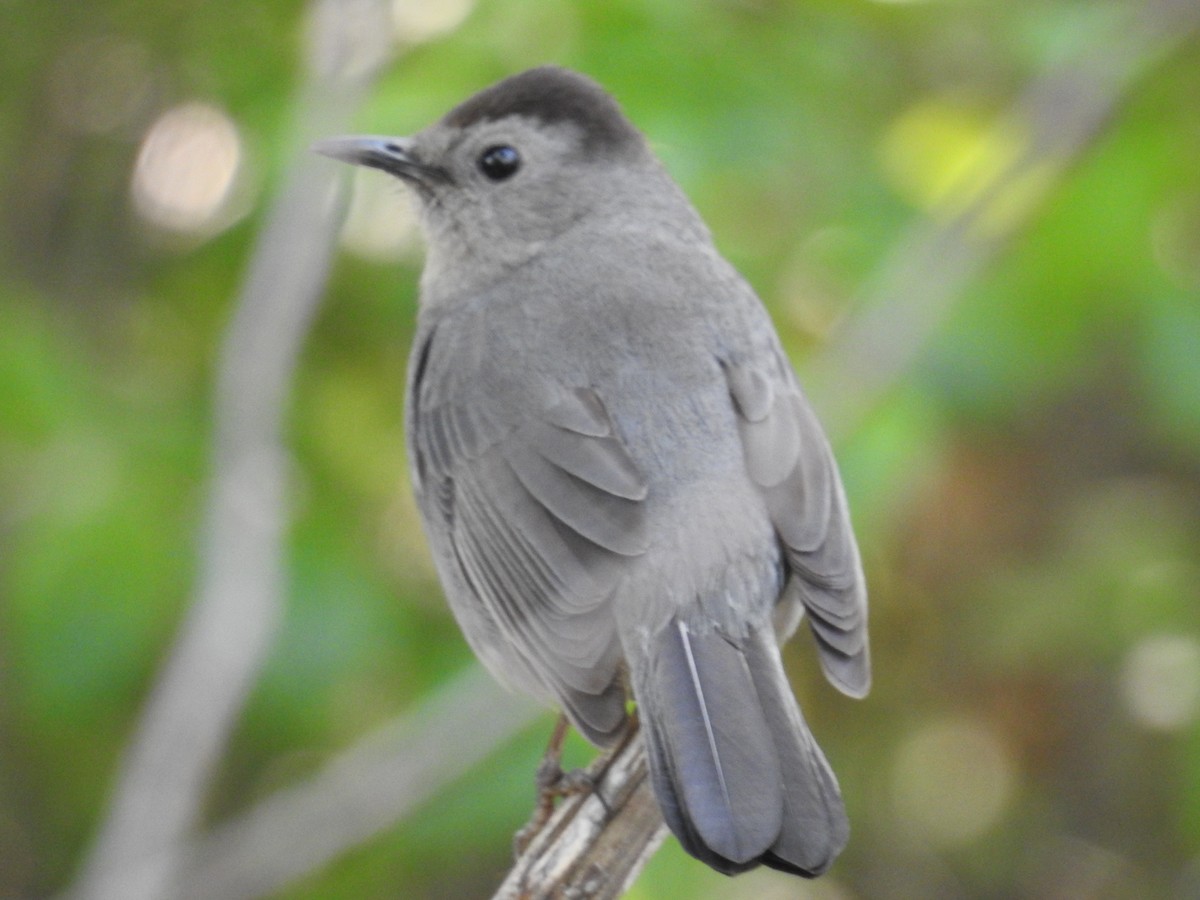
pixel 723 767
pixel 739 777
pixel 815 826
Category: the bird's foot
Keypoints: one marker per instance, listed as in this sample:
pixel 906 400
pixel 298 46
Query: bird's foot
pixel 553 784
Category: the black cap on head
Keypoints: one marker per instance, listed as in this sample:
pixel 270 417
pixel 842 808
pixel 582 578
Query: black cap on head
pixel 553 95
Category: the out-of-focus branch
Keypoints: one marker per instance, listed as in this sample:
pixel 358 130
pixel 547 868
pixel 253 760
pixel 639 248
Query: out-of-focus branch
pixel 596 843
pixel 1056 121
pixel 233 618
pixel 358 794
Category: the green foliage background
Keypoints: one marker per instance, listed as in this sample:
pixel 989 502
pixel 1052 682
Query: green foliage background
pixel 1026 496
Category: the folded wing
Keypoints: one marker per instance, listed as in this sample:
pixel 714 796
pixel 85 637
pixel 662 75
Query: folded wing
pixel 789 459
pixel 533 516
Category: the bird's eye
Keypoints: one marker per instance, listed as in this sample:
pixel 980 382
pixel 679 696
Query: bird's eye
pixel 499 162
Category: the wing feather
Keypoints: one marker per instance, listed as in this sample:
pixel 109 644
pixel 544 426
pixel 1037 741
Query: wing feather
pixel 607 520
pixel 789 458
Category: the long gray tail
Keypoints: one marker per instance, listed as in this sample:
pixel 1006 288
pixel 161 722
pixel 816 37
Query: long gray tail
pixel 740 780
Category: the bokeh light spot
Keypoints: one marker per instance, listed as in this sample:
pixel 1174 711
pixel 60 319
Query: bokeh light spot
pixel 952 781
pixel 944 156
pixel 416 23
pixel 1160 681
pixel 186 170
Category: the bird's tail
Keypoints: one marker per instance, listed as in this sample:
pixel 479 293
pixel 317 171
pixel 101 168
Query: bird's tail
pixel 738 775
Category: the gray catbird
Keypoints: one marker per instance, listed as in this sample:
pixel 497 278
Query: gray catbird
pixel 623 486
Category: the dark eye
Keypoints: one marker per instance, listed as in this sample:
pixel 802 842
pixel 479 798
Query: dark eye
pixel 499 162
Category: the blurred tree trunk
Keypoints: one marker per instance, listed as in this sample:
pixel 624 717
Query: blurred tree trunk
pixel 234 617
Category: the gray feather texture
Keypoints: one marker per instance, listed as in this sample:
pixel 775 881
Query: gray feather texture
pixel 623 485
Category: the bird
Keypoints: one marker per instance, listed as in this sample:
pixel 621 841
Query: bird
pixel 626 493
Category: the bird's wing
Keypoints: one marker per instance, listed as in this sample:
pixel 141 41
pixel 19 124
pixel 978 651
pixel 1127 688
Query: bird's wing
pixel 788 457
pixel 533 513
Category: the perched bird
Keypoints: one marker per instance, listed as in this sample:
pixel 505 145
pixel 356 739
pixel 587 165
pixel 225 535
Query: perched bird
pixel 623 485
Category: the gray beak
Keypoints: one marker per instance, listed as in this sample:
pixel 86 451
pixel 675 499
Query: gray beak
pixel 392 155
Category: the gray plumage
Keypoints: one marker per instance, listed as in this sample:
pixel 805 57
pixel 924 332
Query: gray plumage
pixel 621 481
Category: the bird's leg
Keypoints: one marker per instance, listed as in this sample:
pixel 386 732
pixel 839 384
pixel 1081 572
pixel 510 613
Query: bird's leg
pixel 549 780
pixel 553 783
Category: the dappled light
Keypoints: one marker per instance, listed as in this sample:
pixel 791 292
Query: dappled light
pixel 944 155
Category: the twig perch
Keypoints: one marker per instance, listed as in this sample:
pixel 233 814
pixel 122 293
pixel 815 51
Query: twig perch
pixel 596 842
